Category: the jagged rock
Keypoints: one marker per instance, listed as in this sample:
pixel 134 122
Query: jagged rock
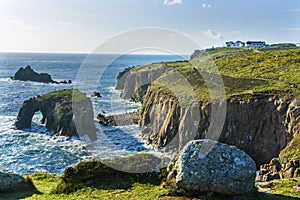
pixel 118 120
pixel 66 112
pixel 279 168
pixel 28 74
pixel 130 82
pixel 209 166
pixel 96 94
pixel 9 180
pixel 262 136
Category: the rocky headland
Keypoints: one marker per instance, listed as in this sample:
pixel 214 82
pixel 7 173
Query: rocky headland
pixel 65 112
pixel 28 74
pixel 262 107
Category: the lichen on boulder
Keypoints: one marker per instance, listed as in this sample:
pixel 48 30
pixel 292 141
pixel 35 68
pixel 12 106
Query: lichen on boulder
pixel 208 166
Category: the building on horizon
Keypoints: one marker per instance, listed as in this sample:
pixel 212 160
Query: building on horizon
pixel 235 44
pixel 256 44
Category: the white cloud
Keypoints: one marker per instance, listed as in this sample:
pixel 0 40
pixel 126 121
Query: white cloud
pixel 172 2
pixel 213 35
pixel 207 5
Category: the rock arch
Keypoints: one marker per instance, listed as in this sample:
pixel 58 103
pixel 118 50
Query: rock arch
pixel 58 115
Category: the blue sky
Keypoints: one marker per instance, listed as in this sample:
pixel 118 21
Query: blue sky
pixel 82 25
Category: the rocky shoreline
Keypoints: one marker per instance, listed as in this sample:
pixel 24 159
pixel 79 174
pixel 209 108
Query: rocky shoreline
pixel 261 131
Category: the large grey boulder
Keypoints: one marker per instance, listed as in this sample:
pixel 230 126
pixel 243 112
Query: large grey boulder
pixel 9 180
pixel 209 166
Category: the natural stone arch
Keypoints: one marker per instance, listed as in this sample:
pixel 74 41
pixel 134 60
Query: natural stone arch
pixel 58 115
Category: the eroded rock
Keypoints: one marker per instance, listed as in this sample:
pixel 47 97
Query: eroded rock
pixel 279 168
pixel 28 74
pixel 66 112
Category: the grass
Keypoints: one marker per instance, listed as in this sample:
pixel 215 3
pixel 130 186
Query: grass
pixel 244 71
pixel 69 94
pixel 46 185
pixel 93 180
pixel 283 187
pixel 292 151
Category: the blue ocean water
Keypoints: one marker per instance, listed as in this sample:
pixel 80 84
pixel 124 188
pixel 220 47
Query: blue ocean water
pixel 34 150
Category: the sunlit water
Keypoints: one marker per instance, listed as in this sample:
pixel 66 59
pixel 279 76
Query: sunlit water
pixel 32 150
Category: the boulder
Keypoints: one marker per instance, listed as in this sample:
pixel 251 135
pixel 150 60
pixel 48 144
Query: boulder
pixel 66 112
pixel 9 180
pixel 208 166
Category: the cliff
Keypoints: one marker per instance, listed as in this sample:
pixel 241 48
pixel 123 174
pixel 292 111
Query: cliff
pixel 66 112
pixel 263 110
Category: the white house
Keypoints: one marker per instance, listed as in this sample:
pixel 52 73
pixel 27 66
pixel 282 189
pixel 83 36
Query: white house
pixel 256 44
pixel 235 44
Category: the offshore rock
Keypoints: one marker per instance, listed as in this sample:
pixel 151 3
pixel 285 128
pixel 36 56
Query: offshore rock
pixel 28 74
pixel 66 112
pixel 209 166
pixel 118 120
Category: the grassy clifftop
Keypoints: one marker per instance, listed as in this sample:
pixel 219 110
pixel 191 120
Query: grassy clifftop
pixel 244 71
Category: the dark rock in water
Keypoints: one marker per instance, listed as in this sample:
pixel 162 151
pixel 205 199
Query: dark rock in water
pixel 9 180
pixel 64 82
pixel 66 112
pixel 279 168
pixel 96 94
pixel 209 166
pixel 27 74
pixel 118 120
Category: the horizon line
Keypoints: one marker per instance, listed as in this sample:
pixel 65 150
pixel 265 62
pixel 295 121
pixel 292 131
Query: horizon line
pixel 86 53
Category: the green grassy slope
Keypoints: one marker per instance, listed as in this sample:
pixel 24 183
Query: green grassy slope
pixel 244 71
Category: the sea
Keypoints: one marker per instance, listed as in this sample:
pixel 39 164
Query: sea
pixel 35 149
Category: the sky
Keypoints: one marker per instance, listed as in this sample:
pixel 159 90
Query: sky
pixel 82 25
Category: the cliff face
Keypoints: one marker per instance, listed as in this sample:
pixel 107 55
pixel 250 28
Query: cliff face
pixel 134 83
pixel 261 125
pixel 59 115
